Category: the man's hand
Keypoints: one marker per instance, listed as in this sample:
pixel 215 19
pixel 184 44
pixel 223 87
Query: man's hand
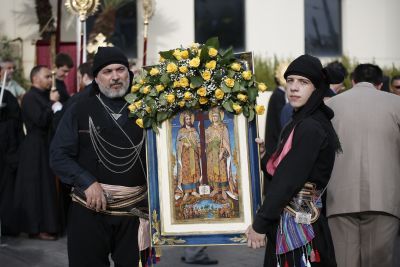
pixel 261 146
pixel 54 96
pixel 254 239
pixel 95 198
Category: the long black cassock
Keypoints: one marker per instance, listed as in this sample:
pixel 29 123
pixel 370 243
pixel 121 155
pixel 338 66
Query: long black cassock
pixel 11 135
pixel 36 194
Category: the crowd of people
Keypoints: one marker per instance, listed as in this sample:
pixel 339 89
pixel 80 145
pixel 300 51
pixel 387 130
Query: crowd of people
pixel 77 165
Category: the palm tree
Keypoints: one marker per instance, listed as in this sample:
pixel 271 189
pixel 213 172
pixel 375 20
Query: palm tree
pixel 105 21
pixel 45 18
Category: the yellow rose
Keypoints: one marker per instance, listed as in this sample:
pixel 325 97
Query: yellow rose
pixel 154 71
pixel 141 81
pixel 203 100
pixel 171 68
pixel 206 75
pixel 194 46
pixel 211 64
pixel 170 98
pixel 183 69
pixel 246 75
pixel 139 122
pixel 160 87
pixel 177 54
pixel 262 87
pixel 187 95
pixel 230 82
pixel 219 94
pixel 212 52
pixel 242 97
pixel 236 66
pixel 132 107
pixel 181 103
pixel 194 62
pixel 148 109
pixel 184 54
pixel 161 59
pixel 138 104
pixel 184 82
pixel 146 89
pixel 135 88
pixel 176 84
pixel 202 91
pixel 237 108
pixel 259 109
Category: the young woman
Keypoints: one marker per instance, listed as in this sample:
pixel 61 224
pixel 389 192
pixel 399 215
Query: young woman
pixel 299 171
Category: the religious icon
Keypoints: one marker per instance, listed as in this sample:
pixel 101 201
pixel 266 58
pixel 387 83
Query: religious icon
pixel 205 166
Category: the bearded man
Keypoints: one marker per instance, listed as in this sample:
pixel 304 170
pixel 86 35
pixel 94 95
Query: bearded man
pixel 101 154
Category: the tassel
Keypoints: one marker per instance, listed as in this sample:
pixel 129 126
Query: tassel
pixel 286 264
pixel 308 264
pixel 312 256
pixel 308 249
pixel 303 261
pixel 278 265
pixel 158 252
pixel 317 258
pixel 140 263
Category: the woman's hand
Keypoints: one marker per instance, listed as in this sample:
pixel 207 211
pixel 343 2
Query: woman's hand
pixel 254 239
pixel 261 146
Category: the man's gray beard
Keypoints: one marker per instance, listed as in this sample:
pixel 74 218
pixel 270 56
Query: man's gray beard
pixel 110 93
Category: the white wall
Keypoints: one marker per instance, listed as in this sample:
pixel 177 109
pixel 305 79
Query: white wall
pixel 172 25
pixel 18 19
pixel 371 30
pixel 275 27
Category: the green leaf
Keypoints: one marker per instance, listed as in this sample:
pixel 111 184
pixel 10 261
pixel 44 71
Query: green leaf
pixel 165 79
pixel 225 88
pixel 228 105
pixel 231 73
pixel 227 56
pixel 213 42
pixel 154 127
pixel 204 57
pixel 246 111
pixel 131 97
pixel 236 87
pixel 167 54
pixel 147 121
pixel 251 115
pixel 162 116
pixel 252 92
pixel 196 81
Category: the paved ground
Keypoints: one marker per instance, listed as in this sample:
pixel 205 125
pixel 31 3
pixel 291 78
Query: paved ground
pixel 25 252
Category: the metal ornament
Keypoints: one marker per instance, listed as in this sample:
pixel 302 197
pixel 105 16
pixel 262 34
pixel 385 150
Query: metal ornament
pixel 82 8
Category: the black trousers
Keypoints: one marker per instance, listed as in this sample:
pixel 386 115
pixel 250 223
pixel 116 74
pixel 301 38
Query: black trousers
pixel 92 236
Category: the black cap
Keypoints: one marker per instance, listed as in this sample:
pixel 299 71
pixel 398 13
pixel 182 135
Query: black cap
pixel 306 66
pixel 106 56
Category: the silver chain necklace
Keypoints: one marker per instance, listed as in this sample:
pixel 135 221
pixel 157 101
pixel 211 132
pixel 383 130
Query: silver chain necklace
pixel 107 158
pixel 109 110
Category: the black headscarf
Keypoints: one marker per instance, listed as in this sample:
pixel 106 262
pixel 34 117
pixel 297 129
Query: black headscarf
pixel 311 68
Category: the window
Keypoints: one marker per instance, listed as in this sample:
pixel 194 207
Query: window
pixel 221 18
pixel 119 26
pixel 323 29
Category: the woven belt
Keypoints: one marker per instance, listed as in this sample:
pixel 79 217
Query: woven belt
pixel 306 201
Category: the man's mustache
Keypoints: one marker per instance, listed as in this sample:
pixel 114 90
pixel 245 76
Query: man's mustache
pixel 116 83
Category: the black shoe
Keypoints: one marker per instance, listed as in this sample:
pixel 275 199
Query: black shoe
pixel 205 261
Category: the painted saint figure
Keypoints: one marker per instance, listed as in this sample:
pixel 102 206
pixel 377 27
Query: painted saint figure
pixel 188 155
pixel 218 153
